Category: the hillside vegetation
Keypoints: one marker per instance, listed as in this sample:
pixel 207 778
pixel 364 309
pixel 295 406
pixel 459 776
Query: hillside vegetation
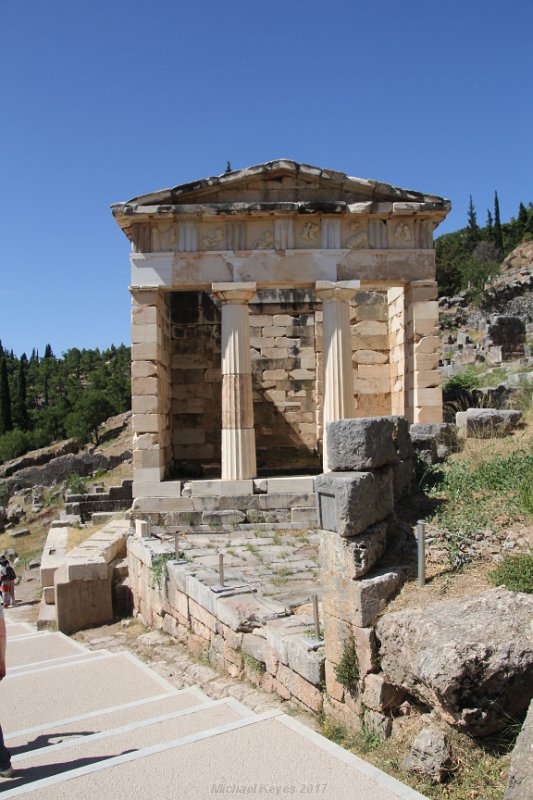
pixel 472 256
pixel 43 399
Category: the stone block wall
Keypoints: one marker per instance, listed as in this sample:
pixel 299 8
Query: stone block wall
pixel 235 629
pixel 372 463
pixel 151 384
pixel 196 384
pixel 415 352
pixel 284 374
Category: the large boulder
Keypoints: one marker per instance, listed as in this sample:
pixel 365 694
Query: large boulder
pixel 470 660
pixel 520 784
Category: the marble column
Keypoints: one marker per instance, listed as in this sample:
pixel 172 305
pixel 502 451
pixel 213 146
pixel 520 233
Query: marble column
pixel 338 399
pixel 238 435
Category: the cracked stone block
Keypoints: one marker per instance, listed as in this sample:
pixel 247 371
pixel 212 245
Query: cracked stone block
pixel 349 502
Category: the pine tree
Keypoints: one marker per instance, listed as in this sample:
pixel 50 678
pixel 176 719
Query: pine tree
pixel 6 422
pixel 473 234
pixel 48 351
pixel 498 238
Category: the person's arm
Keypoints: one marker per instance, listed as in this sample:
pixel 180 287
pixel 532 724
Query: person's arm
pixel 3 643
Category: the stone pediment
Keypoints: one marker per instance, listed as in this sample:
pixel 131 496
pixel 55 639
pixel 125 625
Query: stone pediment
pixel 282 185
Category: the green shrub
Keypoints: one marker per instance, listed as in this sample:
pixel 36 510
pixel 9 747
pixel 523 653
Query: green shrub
pixel 76 484
pixel 159 570
pixel 347 670
pixel 515 573
pixel 253 664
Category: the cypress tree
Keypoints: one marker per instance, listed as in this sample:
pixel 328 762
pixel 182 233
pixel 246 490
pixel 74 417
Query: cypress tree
pixel 498 238
pixel 6 422
pixel 473 235
pixel 21 408
pixel 490 228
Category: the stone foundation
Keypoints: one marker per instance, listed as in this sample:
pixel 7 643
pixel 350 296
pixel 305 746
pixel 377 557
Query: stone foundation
pixel 233 627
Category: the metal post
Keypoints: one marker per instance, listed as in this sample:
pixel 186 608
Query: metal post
pixel 221 568
pixel 421 532
pixel 177 546
pixel 316 617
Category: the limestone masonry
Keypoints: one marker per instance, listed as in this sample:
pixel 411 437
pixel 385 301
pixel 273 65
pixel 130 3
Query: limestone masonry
pixel 265 303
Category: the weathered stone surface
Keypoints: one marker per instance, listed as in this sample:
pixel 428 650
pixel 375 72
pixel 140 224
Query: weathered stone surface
pixel 349 502
pixel 360 444
pixel 487 423
pixel 520 783
pixel 380 694
pixel 468 660
pixel 403 474
pixel 229 517
pixel 430 755
pixel 356 556
pixel 377 724
pixel 359 601
pixel 304 660
pixel 438 438
pixel 401 437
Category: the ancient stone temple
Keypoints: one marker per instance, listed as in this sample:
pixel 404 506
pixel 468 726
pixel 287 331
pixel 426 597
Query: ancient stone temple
pixel 266 302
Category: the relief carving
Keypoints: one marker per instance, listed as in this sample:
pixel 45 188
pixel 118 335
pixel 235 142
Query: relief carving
pixel 310 232
pixel 360 236
pixel 402 232
pixel 214 238
pixel 266 242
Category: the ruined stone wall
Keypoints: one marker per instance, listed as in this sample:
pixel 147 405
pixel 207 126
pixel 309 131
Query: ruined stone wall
pixel 235 630
pixel 372 462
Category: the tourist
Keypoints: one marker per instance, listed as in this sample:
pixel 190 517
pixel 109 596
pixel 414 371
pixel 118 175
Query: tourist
pixel 8 578
pixel 6 770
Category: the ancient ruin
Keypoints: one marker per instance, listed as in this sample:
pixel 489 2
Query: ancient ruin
pixel 267 302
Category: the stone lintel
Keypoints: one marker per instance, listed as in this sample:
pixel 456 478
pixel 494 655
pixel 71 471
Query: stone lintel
pixel 295 268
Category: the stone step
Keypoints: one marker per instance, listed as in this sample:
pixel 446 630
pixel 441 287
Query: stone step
pixel 67 729
pixel 76 687
pixel 83 748
pixel 267 750
pixel 36 648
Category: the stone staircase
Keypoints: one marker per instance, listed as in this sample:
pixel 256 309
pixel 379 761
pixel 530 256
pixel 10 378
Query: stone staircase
pixel 83 723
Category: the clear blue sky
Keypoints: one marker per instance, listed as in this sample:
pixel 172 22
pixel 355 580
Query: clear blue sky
pixel 103 100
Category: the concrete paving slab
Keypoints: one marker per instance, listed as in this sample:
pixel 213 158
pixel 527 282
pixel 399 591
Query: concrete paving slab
pixel 66 784
pixel 15 629
pixel 57 692
pixel 269 755
pixel 42 736
pixel 54 760
pixel 35 649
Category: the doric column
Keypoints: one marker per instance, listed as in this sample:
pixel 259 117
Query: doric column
pixel 423 394
pixel 238 435
pixel 338 401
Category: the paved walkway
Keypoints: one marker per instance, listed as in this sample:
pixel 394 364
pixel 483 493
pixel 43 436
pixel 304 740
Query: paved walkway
pixel 94 723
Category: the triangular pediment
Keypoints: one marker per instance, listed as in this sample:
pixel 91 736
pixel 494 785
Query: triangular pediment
pixel 282 181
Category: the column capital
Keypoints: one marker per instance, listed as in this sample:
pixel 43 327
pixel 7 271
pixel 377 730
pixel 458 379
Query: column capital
pixel 341 291
pixel 237 293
